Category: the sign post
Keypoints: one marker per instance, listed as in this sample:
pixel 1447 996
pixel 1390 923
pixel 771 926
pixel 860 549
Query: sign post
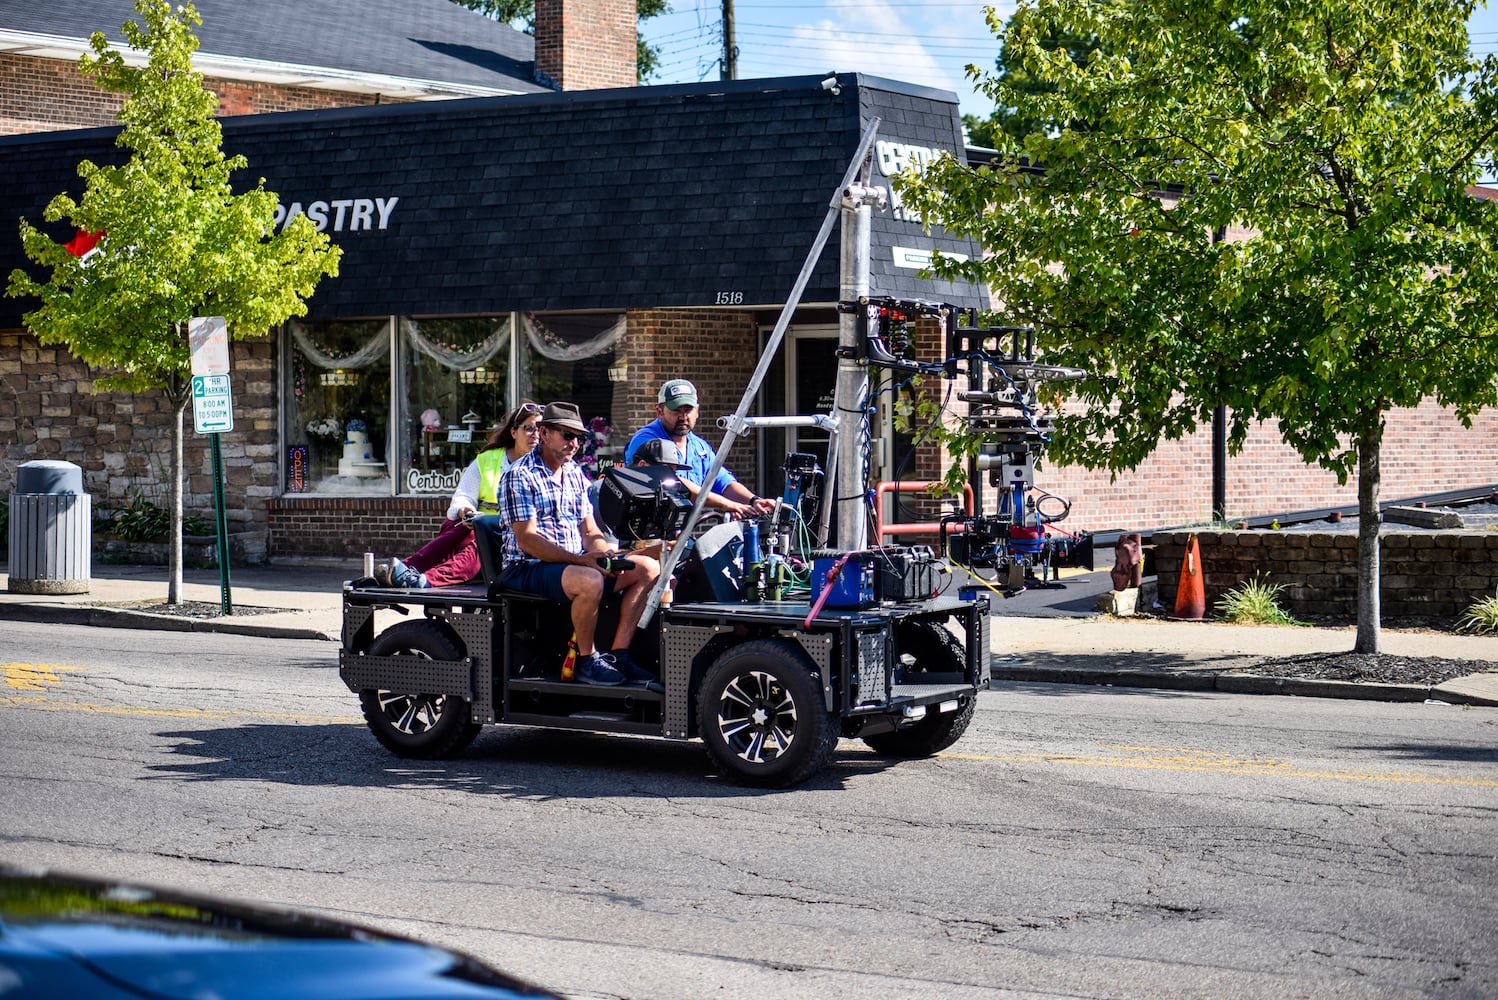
pixel 213 414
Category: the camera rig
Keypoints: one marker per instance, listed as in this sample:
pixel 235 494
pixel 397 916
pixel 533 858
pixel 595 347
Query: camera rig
pixel 1018 543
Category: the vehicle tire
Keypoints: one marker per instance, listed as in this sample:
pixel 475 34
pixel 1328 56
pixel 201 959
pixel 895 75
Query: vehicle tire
pixel 926 648
pixel 760 712
pixel 419 726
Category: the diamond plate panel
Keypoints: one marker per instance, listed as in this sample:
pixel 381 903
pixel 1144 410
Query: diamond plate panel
pixel 477 630
pixel 680 645
pixel 873 668
pixel 977 646
pixel 818 646
pixel 406 674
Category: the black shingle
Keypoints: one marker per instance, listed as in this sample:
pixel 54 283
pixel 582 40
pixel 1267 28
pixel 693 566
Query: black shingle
pixel 644 198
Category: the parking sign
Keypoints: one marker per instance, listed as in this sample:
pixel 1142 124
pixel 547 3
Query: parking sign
pixel 212 406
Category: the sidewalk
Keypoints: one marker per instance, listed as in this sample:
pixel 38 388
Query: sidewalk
pixel 1051 636
pixel 305 595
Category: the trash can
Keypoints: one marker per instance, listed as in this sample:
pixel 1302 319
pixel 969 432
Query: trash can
pixel 51 530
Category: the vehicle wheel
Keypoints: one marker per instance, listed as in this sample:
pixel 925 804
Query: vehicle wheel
pixel 421 726
pixel 926 648
pixel 760 712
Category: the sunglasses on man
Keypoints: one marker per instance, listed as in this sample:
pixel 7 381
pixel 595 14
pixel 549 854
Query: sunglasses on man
pixel 569 435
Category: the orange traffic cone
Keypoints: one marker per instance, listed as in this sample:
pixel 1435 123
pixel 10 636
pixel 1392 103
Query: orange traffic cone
pixel 1191 595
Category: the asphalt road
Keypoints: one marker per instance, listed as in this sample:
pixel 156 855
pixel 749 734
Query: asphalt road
pixel 1078 842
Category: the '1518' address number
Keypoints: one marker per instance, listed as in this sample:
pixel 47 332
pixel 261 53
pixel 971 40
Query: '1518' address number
pixel 730 299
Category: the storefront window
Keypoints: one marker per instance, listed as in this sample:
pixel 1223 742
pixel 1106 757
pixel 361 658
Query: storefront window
pixel 457 379
pixel 337 427
pixel 454 380
pixel 568 356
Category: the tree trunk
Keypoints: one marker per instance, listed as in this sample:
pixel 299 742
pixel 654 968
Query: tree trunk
pixel 177 393
pixel 1370 521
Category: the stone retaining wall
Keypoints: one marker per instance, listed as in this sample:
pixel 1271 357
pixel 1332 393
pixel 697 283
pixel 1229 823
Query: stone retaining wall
pixel 1435 574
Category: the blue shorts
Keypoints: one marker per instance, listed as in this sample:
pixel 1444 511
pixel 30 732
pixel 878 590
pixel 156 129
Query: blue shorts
pixel 535 577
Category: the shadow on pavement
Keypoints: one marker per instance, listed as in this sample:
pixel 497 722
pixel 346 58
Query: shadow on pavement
pixel 1430 752
pixel 516 763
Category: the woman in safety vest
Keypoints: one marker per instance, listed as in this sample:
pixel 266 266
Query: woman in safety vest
pixel 451 557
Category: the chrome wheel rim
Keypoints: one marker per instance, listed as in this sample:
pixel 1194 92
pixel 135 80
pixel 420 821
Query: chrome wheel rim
pixel 757 717
pixel 412 714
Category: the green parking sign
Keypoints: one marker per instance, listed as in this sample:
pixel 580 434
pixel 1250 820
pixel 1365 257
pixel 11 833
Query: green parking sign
pixel 212 405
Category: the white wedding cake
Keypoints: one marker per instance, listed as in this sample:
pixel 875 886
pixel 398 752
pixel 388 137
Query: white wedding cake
pixel 358 459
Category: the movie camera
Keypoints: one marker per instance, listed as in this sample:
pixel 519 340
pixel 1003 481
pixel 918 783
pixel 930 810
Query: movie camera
pixel 641 502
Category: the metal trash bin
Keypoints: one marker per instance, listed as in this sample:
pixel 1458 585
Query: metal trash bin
pixel 51 530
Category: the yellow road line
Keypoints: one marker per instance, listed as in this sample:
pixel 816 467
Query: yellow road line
pixel 42 676
pixel 32 676
pixel 39 676
pixel 222 715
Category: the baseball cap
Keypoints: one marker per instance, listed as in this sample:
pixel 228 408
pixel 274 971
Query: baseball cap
pixel 677 393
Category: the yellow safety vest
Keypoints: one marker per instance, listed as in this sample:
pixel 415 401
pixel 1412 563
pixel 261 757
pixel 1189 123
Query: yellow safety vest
pixel 492 464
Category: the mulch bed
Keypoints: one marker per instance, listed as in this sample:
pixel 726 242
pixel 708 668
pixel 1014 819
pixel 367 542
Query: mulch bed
pixel 1381 668
pixel 197 609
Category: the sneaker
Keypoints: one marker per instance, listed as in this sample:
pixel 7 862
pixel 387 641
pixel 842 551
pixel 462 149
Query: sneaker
pixel 402 575
pixel 597 669
pixel 633 672
pixel 382 574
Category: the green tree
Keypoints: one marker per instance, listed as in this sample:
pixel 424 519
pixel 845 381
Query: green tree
pixel 1008 125
pixel 522 14
pixel 1340 138
pixel 178 242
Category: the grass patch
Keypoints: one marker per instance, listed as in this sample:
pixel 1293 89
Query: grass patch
pixel 1254 602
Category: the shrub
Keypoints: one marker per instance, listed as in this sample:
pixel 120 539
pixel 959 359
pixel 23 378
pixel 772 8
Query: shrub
pixel 143 521
pixel 1253 603
pixel 1481 617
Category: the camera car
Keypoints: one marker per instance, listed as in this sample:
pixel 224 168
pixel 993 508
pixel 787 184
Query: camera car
pixel 768 686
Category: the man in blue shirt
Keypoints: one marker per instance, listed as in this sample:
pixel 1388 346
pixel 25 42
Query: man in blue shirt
pixel 675 416
pixel 553 547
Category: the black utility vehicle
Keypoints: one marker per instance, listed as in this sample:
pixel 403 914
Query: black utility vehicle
pixel 769 686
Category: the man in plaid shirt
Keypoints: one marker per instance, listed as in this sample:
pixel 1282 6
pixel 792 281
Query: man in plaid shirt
pixel 553 547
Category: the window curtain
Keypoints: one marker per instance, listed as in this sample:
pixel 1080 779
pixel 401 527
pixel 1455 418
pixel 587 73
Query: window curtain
pixel 573 338
pixel 375 349
pixel 494 345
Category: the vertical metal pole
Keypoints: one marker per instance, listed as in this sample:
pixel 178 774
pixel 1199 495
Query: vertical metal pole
pixel 850 396
pixel 1219 432
pixel 1219 463
pixel 860 166
pixel 226 603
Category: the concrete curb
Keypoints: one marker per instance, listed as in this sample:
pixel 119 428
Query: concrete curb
pixel 117 618
pixel 1242 683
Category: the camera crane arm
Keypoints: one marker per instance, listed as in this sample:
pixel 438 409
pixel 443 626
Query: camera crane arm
pixel 859 168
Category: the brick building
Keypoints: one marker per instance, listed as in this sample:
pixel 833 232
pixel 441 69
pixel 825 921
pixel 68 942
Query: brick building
pixel 584 245
pixel 526 243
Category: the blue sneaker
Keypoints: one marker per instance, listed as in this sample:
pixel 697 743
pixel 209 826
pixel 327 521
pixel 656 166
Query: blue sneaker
pixel 402 575
pixel 597 669
pixel 633 672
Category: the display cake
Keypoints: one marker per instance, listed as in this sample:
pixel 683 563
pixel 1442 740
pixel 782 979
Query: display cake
pixel 358 459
